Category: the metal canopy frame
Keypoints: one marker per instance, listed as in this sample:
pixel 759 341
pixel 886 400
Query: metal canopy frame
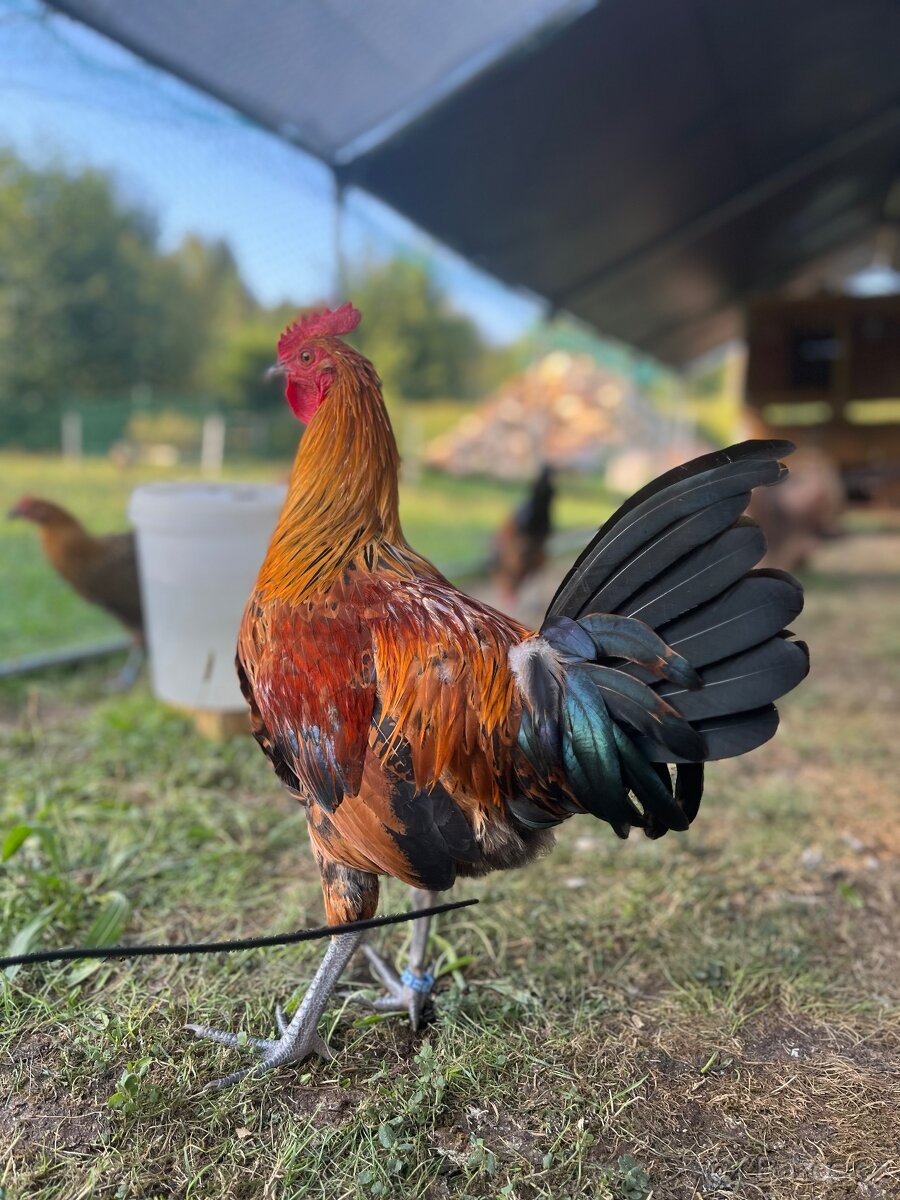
pixel 648 165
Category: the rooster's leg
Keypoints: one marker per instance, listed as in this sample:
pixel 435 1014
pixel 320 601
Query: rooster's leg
pixel 299 1036
pixel 349 895
pixel 410 991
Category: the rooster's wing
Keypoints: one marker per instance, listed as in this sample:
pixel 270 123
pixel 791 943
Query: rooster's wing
pixel 307 673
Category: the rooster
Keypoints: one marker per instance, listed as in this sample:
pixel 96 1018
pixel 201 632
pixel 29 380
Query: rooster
pixel 519 549
pixel 103 570
pixel 427 735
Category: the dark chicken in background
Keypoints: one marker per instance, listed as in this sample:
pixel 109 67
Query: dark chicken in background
pixel 427 735
pixel 519 549
pixel 805 512
pixel 103 570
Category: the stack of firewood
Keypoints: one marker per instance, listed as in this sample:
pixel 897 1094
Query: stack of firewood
pixel 565 409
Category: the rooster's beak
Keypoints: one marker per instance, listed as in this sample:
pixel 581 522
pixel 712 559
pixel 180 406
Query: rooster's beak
pixel 275 371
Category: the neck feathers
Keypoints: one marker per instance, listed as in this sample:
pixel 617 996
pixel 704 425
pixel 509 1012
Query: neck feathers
pixel 343 496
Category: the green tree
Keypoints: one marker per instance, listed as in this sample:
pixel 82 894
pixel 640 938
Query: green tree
pixel 89 304
pixel 224 309
pixel 91 307
pixel 421 347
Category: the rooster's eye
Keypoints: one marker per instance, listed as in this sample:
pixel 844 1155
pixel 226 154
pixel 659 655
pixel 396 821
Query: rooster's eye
pixel 306 357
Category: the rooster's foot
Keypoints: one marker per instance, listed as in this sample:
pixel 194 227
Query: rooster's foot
pixel 300 1036
pixel 289 1047
pixel 409 992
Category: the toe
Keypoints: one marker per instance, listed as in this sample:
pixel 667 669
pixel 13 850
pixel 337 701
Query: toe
pixel 234 1040
pixel 227 1080
pixel 222 1036
pixel 318 1045
pixel 388 1004
pixel 383 970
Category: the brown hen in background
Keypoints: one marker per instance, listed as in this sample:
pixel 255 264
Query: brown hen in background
pixel 103 570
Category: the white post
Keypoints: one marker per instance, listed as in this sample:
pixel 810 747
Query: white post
pixel 72 434
pixel 212 449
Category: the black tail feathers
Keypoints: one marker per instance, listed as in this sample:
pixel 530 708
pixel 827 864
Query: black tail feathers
pixel 674 647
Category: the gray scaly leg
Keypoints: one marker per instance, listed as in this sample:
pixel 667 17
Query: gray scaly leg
pixel 299 1036
pixel 410 991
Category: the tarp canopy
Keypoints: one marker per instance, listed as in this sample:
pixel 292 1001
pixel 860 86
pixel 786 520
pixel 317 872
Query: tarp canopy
pixel 647 165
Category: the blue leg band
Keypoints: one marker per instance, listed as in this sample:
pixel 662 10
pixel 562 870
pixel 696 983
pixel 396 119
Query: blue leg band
pixel 418 983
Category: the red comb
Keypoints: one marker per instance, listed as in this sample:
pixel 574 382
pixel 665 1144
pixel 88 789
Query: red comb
pixel 319 324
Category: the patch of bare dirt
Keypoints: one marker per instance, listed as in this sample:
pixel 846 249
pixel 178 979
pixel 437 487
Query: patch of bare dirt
pixel 778 1113
pixel 39 1115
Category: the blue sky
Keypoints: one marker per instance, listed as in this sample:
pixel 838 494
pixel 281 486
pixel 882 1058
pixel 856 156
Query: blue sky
pixel 67 93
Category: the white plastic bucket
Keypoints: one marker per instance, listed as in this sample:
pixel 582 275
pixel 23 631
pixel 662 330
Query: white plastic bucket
pixel 200 546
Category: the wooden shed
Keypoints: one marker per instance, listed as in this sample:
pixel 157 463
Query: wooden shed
pixel 825 371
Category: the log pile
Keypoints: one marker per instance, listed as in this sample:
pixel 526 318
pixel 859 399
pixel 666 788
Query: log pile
pixel 565 409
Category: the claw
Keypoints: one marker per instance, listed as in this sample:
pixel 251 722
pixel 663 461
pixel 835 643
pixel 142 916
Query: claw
pixel 383 969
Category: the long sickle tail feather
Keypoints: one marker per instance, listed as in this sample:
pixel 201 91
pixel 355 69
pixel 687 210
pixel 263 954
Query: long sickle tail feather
pixel 663 646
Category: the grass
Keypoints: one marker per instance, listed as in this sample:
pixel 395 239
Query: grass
pixel 711 1015
pixel 452 520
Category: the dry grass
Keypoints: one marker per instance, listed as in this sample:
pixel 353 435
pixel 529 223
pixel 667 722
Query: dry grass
pixel 704 1017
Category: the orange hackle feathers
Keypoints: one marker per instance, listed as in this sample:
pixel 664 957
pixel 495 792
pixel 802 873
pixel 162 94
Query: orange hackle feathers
pixel 343 500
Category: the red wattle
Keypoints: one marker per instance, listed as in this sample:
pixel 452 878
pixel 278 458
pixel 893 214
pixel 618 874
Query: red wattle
pixel 300 404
